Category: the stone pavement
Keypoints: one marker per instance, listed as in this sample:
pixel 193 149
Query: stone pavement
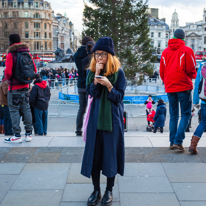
pixel 46 172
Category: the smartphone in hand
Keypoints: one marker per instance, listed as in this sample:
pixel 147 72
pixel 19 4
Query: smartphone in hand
pixel 98 76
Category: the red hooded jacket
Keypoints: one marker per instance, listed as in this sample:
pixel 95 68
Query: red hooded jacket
pixel 177 67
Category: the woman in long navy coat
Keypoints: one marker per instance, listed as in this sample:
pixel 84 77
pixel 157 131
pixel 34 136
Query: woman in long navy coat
pixel 104 148
pixel 160 116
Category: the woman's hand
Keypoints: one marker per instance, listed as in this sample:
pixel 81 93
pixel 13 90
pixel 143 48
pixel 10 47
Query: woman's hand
pixel 99 67
pixel 105 82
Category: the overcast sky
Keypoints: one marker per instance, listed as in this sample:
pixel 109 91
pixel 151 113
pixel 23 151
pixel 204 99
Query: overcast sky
pixel 188 10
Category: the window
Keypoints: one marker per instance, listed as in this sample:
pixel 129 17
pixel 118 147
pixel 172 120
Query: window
pixel 15 25
pixel 152 34
pixel 50 35
pixel 167 36
pixel 26 25
pixel 193 41
pixel 37 5
pixel 45 35
pixel 37 45
pixel 45 46
pixel 45 15
pixel 205 40
pixel 25 4
pixel 152 44
pixel 49 26
pixel 62 45
pixel 6 14
pixel 5 26
pixel 45 25
pixel 205 28
pixel 26 34
pixel 14 4
pixel 34 45
pixel 15 14
pixel 205 19
pixel 159 44
pixel 36 34
pixel 6 34
pixel 159 34
pixel 26 14
pixel 62 38
pixel 36 15
pixel 36 25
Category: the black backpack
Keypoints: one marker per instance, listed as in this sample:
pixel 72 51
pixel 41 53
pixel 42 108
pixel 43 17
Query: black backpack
pixel 24 72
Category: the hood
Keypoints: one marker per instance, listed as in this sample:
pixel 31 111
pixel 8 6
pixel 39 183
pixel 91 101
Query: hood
pixel 175 44
pixel 161 105
pixel 81 52
pixel 203 71
pixel 42 84
pixel 23 47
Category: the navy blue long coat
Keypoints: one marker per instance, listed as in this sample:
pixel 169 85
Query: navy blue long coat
pixel 113 142
pixel 160 115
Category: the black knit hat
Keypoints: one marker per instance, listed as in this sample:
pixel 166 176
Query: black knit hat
pixel 179 34
pixel 105 44
pixel 14 38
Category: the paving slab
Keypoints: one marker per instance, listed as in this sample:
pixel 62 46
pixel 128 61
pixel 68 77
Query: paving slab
pixel 185 172
pixel 27 150
pixel 137 142
pixel 67 158
pixel 133 150
pixel 42 176
pixel 44 158
pixel 148 199
pixel 190 191
pixel 185 157
pixel 11 168
pixel 149 158
pixel 6 182
pixel 134 158
pixel 73 150
pixel 66 142
pixel 144 184
pixel 144 170
pixel 75 176
pixel 49 150
pixel 193 203
pixel 81 192
pixel 16 158
pixel 33 198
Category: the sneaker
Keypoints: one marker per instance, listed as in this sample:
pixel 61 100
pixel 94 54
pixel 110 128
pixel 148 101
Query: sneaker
pixel 28 137
pixel 179 146
pixel 13 139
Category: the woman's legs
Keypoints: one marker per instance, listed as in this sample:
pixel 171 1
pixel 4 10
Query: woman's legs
pixel 110 183
pixel 97 162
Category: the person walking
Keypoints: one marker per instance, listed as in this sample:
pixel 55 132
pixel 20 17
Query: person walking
pixel 20 71
pixel 160 116
pixel 3 101
pixel 177 69
pixel 39 99
pixel 104 149
pixel 202 125
pixel 78 56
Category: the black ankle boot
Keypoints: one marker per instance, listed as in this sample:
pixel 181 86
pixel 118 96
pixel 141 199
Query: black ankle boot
pixel 161 130
pixel 155 130
pixel 94 198
pixel 107 198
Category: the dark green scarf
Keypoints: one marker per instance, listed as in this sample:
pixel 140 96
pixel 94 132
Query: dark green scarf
pixel 105 109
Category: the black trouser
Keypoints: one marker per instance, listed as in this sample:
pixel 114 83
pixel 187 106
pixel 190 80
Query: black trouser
pixel 81 111
pixel 7 121
pixel 97 166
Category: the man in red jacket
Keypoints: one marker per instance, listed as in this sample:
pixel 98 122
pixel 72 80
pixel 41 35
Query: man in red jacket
pixel 18 97
pixel 177 69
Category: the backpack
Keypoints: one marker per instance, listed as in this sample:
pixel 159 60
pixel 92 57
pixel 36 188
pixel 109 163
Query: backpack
pixel 24 72
pixel 202 84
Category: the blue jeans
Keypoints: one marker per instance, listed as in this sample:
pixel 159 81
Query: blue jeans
pixel 41 117
pixel 202 125
pixel 177 133
pixel 7 121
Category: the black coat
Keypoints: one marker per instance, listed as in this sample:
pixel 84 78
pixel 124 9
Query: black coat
pixel 160 115
pixel 113 150
pixel 78 56
pixel 40 95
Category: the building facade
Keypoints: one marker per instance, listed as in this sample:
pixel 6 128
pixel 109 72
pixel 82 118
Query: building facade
pixel 193 33
pixel 204 30
pixel 159 33
pixel 32 20
pixel 174 23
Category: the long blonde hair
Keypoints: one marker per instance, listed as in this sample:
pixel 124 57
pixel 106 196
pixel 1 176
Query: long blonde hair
pixel 112 66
